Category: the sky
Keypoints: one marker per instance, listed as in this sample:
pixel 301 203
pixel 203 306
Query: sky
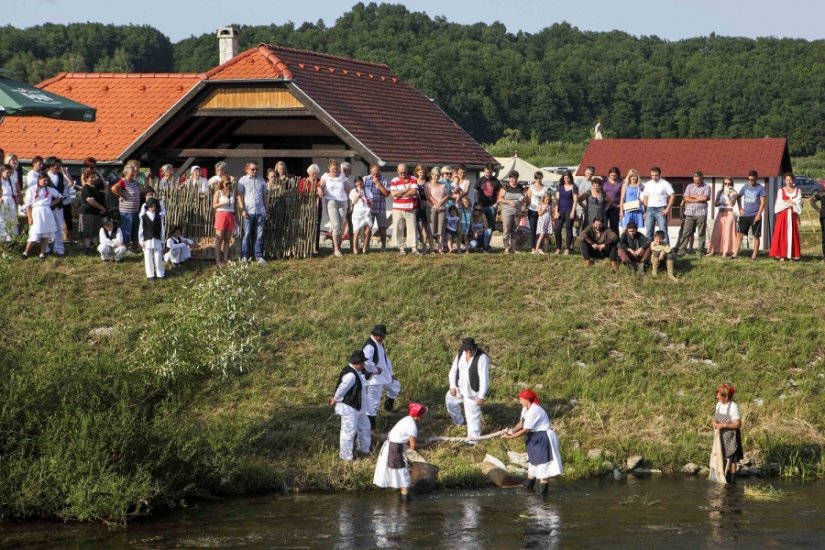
pixel 668 19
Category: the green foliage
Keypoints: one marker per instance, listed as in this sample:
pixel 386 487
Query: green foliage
pixel 554 84
pixel 547 153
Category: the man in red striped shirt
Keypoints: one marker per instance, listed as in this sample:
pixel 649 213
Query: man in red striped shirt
pixel 404 191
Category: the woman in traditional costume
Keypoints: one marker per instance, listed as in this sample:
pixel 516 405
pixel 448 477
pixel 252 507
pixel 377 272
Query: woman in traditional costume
pixel 788 207
pixel 542 442
pixel 727 439
pixel 391 469
pixel 723 238
pixel 40 200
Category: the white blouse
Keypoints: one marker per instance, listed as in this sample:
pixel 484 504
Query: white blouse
pixel 403 430
pixel 731 408
pixel 535 419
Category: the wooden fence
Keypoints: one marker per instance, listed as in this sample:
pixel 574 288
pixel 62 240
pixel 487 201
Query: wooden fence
pixel 289 230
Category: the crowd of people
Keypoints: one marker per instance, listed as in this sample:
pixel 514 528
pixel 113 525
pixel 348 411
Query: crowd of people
pixel 436 210
pixel 369 375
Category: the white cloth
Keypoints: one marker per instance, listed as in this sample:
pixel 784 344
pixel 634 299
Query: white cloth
pixel 152 249
pixel 179 251
pixel 657 193
pixel 471 410
pixel 374 392
pixel 202 184
pixel 60 223
pixel 372 364
pixel 397 478
pixel 8 209
pixel 361 213
pixel 227 204
pixel 731 409
pixel 794 202
pixel 31 178
pixel 536 419
pixel 39 200
pixel 162 209
pixel 335 188
pixel 111 249
pixel 461 366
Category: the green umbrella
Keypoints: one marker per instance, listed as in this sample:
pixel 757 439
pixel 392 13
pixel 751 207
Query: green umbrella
pixel 20 99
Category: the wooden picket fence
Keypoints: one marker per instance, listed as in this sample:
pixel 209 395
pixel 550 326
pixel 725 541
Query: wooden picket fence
pixel 289 230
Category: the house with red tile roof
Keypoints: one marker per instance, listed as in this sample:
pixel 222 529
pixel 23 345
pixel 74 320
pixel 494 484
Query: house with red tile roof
pixel 680 158
pixel 266 104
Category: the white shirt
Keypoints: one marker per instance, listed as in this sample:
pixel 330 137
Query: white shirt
pixel 184 243
pixel 403 430
pixel 461 366
pixel 347 382
pixel 117 239
pixel 31 178
pixel 157 242
pixel 657 193
pixel 335 188
pixel 731 408
pixel 535 419
pixel 383 362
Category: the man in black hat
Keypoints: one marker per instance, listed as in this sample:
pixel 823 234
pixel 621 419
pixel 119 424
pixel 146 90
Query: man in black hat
pixel 469 380
pixel 350 402
pixel 151 235
pixel 379 374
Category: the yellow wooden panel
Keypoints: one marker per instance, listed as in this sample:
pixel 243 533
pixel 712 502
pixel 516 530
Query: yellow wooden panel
pixel 251 98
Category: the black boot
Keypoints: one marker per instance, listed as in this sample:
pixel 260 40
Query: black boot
pixel 529 484
pixel 388 403
pixel 405 497
pixel 372 422
pixel 545 488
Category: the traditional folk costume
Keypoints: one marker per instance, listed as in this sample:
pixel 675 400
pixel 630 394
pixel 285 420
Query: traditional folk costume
pixel 542 443
pixel 361 209
pixel 8 209
pixel 785 241
pixel 727 443
pixel 350 400
pixel 470 378
pixel 60 187
pixel 39 201
pixel 377 382
pixel 723 238
pixel 150 236
pixel 111 243
pixel 179 249
pixel 391 469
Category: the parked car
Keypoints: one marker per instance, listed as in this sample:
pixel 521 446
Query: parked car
pixel 806 185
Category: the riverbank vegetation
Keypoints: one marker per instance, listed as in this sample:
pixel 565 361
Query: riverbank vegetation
pixel 118 396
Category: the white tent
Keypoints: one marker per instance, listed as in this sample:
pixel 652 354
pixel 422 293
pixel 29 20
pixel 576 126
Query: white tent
pixel 525 170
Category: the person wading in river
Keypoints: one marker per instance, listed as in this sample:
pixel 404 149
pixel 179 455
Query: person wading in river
pixel 391 468
pixel 727 425
pixel 350 402
pixel 469 379
pixel 542 442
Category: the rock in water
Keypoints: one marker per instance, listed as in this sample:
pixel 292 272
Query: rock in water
pixel 691 469
pixel 634 462
pixel 499 476
pixel 423 476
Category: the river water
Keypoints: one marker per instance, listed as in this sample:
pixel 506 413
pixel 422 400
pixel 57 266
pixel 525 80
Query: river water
pixel 646 513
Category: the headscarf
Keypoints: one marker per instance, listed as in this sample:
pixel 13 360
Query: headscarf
pixel 728 389
pixel 417 410
pixel 529 395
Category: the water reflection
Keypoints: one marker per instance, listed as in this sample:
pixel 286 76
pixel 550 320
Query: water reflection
pixel 724 513
pixel 380 524
pixel 543 529
pixel 461 529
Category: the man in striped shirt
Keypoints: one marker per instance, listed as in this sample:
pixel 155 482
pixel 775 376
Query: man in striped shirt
pixel 127 190
pixel 404 191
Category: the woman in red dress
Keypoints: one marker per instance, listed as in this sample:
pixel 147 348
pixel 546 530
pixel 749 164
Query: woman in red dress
pixel 788 207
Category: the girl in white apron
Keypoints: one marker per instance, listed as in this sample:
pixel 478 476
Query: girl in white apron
pixel 40 199
pixel 391 469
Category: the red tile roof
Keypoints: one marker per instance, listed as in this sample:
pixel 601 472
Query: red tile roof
pixel 387 116
pixel 127 105
pixel 682 157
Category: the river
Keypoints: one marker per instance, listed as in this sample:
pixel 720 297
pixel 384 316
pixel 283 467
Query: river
pixel 648 513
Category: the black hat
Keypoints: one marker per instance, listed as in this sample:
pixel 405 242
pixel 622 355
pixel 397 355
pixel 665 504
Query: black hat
pixel 468 344
pixel 152 202
pixel 357 357
pixel 379 330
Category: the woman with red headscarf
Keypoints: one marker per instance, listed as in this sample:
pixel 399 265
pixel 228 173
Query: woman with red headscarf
pixel 727 438
pixel 542 442
pixel 391 469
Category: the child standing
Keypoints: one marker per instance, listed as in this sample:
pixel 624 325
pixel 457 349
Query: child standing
pixel 150 236
pixel 545 212
pixel 466 215
pixel 451 221
pixel 660 250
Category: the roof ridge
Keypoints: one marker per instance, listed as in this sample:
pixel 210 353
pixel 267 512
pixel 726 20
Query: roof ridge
pixel 228 63
pixel 276 61
pixel 119 75
pixel 326 55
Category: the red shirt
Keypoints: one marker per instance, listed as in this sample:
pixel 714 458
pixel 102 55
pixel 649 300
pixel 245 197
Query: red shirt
pixel 404 184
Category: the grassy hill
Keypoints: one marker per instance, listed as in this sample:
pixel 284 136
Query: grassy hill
pixel 214 383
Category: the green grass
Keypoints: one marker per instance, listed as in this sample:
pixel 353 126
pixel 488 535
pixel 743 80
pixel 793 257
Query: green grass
pixel 215 383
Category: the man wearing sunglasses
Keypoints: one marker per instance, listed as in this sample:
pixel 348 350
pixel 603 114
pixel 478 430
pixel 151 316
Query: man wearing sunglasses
pixel 251 199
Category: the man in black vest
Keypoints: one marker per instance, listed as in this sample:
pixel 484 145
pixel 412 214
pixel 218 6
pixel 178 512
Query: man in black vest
pixel 469 380
pixel 350 402
pixel 58 181
pixel 379 373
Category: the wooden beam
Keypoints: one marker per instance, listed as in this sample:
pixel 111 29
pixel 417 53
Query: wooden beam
pixel 244 153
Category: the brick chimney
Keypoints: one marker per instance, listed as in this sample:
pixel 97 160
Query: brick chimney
pixel 227 44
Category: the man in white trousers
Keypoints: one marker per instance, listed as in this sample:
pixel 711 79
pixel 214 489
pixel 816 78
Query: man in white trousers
pixel 379 374
pixel 350 402
pixel 469 380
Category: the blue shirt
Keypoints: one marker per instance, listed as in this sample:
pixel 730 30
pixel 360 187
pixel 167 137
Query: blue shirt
pixel 751 195
pixel 253 191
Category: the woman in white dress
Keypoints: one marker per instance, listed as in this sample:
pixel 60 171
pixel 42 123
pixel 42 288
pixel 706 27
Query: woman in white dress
pixel 360 200
pixel 40 200
pixel 391 468
pixel 8 204
pixel 542 442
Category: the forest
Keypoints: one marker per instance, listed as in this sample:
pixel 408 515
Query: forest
pixel 552 85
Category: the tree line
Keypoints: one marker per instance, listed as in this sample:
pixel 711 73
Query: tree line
pixel 550 85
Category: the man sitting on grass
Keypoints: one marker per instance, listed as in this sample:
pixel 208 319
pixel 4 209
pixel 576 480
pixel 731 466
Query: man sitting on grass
pixel 634 249
pixel 598 241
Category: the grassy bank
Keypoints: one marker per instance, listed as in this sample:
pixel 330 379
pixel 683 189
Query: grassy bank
pixel 214 384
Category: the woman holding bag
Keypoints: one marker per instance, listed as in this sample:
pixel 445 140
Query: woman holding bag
pixel 630 203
